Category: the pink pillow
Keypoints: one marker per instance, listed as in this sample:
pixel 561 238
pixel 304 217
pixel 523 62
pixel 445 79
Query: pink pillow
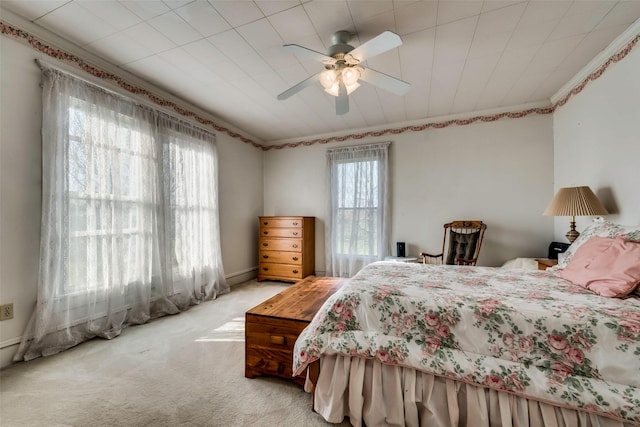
pixel 608 267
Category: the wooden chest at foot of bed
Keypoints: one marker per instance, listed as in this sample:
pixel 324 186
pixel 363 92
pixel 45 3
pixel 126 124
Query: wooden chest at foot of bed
pixel 272 327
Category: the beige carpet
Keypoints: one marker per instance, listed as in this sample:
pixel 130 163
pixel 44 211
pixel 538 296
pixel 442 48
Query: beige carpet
pixel 183 370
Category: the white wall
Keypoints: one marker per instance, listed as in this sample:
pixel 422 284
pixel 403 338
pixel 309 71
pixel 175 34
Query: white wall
pixel 241 203
pixel 240 185
pixel 20 187
pixel 499 172
pixel 597 143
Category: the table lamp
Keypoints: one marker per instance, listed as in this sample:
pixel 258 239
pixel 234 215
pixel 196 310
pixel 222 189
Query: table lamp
pixel 575 201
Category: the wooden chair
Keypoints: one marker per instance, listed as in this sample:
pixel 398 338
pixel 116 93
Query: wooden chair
pixel 462 241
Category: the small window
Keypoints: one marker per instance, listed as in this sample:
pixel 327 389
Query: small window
pixel 359 212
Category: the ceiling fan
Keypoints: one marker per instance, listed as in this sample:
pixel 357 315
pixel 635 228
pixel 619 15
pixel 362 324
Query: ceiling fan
pixel 343 70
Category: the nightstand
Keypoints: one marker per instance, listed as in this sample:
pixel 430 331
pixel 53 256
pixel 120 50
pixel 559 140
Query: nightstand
pixel 544 263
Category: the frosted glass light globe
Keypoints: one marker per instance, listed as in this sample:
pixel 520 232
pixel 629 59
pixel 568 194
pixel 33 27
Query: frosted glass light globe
pixel 334 89
pixel 351 88
pixel 327 78
pixel 350 76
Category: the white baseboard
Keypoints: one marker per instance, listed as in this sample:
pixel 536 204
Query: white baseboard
pixel 242 276
pixel 10 342
pixel 6 355
pixel 6 352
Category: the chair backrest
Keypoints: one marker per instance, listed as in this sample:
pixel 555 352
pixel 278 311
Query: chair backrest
pixel 464 239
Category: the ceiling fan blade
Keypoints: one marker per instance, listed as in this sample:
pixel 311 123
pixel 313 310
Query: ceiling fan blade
pixel 308 53
pixel 342 100
pixel 384 81
pixel 298 87
pixel 377 45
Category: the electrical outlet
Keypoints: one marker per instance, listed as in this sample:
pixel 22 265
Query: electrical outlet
pixel 6 311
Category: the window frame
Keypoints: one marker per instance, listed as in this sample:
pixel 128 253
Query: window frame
pixel 339 243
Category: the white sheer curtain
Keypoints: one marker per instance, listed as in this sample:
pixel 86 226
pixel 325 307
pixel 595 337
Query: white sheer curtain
pixel 129 217
pixel 358 221
pixel 191 226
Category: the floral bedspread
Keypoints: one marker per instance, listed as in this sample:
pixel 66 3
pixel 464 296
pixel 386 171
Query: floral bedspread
pixel 527 332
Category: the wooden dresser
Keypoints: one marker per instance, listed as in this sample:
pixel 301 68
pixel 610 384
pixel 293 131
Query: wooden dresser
pixel 286 248
pixel 272 327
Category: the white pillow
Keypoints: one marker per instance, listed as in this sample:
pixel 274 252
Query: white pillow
pixel 523 263
pixel 600 227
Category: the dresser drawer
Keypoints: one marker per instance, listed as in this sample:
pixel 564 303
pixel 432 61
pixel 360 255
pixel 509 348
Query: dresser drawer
pixel 286 248
pixel 289 245
pixel 280 270
pixel 281 222
pixel 280 232
pixel 294 258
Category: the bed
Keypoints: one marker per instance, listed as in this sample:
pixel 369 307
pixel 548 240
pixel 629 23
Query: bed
pixel 412 344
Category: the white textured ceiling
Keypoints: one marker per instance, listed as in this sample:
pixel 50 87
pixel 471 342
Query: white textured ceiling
pixel 225 56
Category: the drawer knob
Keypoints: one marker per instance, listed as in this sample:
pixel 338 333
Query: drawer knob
pixel 265 232
pixel 265 244
pixel 295 258
pixel 265 256
pixel 266 223
pixel 265 269
pixel 295 223
pixel 294 245
pixel 295 271
pixel 295 233
pixel 275 339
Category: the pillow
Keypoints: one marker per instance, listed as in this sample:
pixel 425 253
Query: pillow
pixel 608 267
pixel 603 228
pixel 523 263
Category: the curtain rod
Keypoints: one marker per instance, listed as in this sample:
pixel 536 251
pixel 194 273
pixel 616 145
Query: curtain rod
pixel 44 65
pixel 360 147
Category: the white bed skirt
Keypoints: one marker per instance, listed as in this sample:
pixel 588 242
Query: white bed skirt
pixel 373 394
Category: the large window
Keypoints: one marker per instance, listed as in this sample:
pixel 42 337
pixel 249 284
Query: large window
pixel 111 200
pixel 191 210
pixel 129 216
pixel 357 229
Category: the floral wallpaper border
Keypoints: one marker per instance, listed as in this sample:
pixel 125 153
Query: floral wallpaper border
pixel 597 73
pixel 104 75
pixel 61 55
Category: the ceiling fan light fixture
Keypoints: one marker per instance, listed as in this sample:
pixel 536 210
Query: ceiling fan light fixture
pixel 351 88
pixel 328 79
pixel 350 75
pixel 333 89
pixel 342 70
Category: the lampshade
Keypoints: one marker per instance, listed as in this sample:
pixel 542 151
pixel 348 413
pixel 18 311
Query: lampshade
pixel 575 201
